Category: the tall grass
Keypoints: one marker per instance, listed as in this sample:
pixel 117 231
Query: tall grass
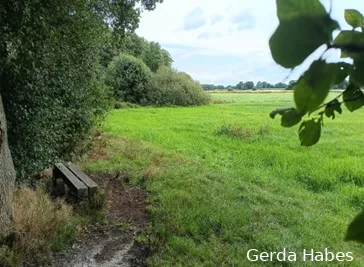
pixel 40 225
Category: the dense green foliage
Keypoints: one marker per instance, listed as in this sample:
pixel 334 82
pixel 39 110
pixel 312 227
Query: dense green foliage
pixel 133 81
pixel 155 57
pixel 129 77
pixel 169 87
pixel 152 54
pixel 143 75
pixel 215 196
pixel 304 26
pixel 50 82
pixel 51 78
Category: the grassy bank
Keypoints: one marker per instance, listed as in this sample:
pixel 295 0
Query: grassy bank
pixel 225 178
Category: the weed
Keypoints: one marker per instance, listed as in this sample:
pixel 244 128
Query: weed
pixel 40 224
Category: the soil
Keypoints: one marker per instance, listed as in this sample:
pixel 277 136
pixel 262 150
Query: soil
pixel 112 244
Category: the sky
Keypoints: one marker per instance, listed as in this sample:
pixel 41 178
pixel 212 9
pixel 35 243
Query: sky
pixel 224 42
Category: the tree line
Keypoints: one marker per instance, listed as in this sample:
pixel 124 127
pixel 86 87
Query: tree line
pixel 250 85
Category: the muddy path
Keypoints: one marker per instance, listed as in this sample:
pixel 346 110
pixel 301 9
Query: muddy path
pixel 112 244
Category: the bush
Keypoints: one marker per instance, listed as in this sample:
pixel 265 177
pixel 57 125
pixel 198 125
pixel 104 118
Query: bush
pixel 51 82
pixel 168 87
pixel 129 78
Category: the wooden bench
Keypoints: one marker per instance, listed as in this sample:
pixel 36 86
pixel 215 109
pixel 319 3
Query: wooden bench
pixel 90 184
pixel 76 180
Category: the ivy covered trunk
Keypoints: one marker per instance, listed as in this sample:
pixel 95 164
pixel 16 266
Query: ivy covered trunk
pixel 7 177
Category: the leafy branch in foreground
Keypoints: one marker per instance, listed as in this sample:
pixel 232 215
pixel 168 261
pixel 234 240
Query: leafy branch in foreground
pixel 305 26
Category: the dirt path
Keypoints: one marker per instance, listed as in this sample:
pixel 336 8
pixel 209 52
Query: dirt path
pixel 113 244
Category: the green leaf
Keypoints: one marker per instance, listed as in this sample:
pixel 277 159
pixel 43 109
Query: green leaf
pixel 355 230
pixel 354 18
pixel 344 54
pixel 310 132
pixel 353 97
pixel 343 70
pixel 279 111
pixel 331 107
pixel 349 38
pixel 351 43
pixel 312 89
pixel 357 74
pixel 304 27
pixel 291 118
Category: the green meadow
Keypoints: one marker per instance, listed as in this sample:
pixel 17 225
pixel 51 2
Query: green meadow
pixel 225 178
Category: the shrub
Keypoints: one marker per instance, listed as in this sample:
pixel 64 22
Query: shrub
pixel 168 87
pixel 50 81
pixel 129 78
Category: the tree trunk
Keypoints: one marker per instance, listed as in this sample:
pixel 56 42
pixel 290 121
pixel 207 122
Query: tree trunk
pixel 7 178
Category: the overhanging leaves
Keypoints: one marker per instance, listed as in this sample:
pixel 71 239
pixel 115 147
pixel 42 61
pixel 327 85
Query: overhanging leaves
pixel 343 70
pixel 279 111
pixel 310 132
pixel 353 97
pixel 304 26
pixel 357 74
pixel 290 118
pixel 355 230
pixel 331 107
pixel 312 89
pixel 350 42
pixel 354 18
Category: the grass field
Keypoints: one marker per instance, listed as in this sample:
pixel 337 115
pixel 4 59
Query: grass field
pixel 225 178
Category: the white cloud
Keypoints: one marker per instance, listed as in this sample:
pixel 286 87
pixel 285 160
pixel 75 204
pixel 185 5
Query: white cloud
pixel 223 39
pixel 195 19
pixel 245 20
pixel 216 19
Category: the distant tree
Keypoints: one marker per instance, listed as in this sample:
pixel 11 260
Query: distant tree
pixel 259 85
pixel 281 85
pixel 155 57
pixel 240 86
pixel 249 85
pixel 207 87
pixel 291 85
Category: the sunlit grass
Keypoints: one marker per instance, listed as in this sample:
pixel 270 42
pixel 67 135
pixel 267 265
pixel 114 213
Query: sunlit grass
pixel 215 196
